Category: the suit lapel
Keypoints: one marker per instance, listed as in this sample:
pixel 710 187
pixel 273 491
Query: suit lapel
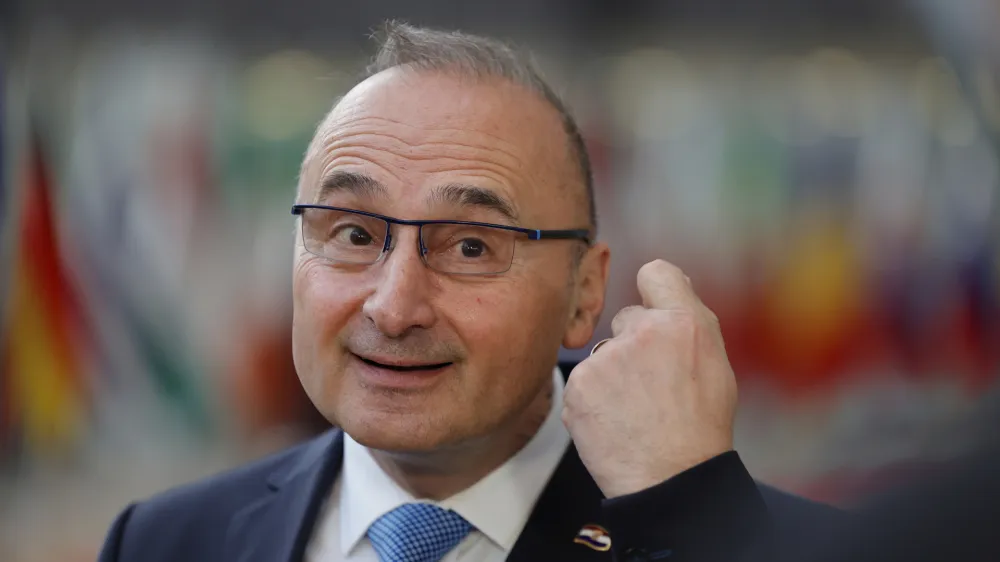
pixel 569 502
pixel 277 527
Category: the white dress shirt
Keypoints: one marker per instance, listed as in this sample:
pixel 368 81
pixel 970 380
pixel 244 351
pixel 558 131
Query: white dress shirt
pixel 497 506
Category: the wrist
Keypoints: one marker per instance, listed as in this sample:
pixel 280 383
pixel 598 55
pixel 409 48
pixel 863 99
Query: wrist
pixel 631 482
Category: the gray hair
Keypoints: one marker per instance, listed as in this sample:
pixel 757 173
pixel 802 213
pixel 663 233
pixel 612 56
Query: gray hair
pixel 420 48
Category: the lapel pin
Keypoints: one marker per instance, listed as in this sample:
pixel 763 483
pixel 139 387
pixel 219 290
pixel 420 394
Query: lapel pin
pixel 595 537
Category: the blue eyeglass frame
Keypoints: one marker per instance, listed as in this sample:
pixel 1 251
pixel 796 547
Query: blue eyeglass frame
pixel 532 233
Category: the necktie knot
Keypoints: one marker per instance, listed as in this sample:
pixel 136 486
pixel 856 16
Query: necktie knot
pixel 417 532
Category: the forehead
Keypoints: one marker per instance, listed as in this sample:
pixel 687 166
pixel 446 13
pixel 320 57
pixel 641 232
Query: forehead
pixel 414 130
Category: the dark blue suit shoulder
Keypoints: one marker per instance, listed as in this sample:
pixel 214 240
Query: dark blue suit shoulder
pixel 196 515
pixel 240 483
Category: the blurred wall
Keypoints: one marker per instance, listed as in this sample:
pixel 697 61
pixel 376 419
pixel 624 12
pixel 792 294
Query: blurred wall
pixel 824 172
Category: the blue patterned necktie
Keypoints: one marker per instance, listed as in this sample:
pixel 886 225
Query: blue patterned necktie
pixel 417 532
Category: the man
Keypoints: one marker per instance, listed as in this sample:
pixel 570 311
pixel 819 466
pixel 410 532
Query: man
pixel 446 252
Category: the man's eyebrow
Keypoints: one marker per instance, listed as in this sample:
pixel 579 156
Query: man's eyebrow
pixel 472 196
pixel 350 182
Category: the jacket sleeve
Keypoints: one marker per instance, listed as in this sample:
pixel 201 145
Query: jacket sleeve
pixel 711 512
pixel 112 542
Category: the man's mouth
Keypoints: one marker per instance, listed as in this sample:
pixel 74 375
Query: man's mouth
pixel 403 367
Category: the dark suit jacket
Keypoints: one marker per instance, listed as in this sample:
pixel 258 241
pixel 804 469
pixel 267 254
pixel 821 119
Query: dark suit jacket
pixel 266 511
pixel 950 515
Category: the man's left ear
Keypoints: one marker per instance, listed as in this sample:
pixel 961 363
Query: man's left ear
pixel 591 285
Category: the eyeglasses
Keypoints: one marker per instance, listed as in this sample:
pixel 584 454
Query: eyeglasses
pixel 455 247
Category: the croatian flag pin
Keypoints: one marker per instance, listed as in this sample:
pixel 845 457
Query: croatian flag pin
pixel 595 537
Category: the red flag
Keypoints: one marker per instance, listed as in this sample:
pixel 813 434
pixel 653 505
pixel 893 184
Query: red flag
pixel 45 382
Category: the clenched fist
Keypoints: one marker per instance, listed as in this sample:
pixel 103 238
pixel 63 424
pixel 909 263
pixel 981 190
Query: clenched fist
pixel 660 396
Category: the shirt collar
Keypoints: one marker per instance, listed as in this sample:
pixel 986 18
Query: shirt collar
pixel 498 505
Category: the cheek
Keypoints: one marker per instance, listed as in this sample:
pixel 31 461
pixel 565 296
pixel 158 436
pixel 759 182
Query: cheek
pixel 324 302
pixel 478 306
pixel 496 319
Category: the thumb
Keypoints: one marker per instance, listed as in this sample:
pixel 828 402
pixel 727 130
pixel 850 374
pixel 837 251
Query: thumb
pixel 663 285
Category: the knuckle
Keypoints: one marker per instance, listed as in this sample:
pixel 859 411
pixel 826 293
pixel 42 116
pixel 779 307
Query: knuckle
pixel 574 394
pixel 708 320
pixel 569 399
pixel 650 329
pixel 712 318
pixel 622 319
pixel 585 378
pixel 681 323
pixel 631 309
pixel 579 377
pixel 709 314
pixel 566 415
pixel 684 317
pixel 646 337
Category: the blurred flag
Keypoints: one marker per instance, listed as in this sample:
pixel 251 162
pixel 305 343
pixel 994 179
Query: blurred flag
pixel 6 418
pixel 139 187
pixel 815 306
pixel 44 381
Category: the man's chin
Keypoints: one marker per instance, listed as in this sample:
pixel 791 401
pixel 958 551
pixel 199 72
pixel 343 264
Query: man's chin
pixel 398 437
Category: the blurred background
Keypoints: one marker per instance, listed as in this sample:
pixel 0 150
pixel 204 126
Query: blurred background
pixel 826 172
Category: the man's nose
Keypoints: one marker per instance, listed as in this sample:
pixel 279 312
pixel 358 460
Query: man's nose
pixel 401 299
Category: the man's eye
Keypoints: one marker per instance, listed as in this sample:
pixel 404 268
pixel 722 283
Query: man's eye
pixel 353 235
pixel 472 248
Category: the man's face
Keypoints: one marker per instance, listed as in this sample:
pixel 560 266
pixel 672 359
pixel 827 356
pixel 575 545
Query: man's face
pixel 362 334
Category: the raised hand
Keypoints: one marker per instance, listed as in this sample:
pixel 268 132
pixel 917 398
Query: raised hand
pixel 657 398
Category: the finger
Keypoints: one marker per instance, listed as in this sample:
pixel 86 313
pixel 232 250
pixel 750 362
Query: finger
pixel 598 345
pixel 625 317
pixel 663 285
pixel 599 357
